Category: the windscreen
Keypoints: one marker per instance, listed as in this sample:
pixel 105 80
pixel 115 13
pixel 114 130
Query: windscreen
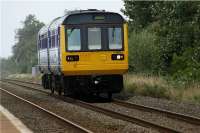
pixel 115 38
pixel 94 38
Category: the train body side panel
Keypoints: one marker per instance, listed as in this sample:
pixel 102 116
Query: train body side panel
pixel 93 63
pixel 43 60
pixel 53 57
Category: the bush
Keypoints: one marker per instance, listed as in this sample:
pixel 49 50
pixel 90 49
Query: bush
pixel 143 51
pixel 196 98
pixel 155 91
pixel 147 85
pixel 187 66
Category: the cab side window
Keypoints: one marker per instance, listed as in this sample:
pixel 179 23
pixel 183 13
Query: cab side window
pixel 73 39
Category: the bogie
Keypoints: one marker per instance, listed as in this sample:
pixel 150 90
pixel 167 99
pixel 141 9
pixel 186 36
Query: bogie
pixel 83 85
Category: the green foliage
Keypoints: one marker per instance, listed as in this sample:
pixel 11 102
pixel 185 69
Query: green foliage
pixel 139 13
pixel 8 66
pixel 143 51
pixel 176 28
pixel 25 50
pixel 186 67
pixel 179 30
pixel 196 98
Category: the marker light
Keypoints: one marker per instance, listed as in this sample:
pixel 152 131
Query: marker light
pixel 70 58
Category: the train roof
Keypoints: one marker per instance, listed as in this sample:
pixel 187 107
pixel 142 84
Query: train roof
pixel 82 16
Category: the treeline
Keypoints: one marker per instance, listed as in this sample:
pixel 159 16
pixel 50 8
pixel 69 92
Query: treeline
pixel 25 50
pixel 164 38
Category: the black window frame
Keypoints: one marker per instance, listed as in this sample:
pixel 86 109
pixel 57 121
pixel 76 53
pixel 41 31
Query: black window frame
pixel 104 36
pixel 122 36
pixel 87 43
pixel 53 45
pixel 66 37
pixel 43 41
pixel 52 39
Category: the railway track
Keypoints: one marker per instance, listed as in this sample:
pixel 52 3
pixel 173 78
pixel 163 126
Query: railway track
pixel 119 115
pixel 174 115
pixel 68 122
pixel 28 82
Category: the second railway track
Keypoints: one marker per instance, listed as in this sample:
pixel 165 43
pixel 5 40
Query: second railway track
pixel 118 115
pixel 76 127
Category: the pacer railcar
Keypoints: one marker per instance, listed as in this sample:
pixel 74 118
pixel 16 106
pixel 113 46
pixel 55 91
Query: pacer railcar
pixel 84 51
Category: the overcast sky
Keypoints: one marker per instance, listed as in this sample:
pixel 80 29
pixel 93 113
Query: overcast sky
pixel 13 12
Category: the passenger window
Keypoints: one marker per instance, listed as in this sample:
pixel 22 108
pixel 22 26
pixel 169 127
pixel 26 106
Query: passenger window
pixel 94 38
pixel 40 44
pixel 115 38
pixel 73 39
pixel 53 41
pixel 44 43
pixel 56 41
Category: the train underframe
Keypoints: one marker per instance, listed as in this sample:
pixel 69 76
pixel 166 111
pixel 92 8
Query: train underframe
pixel 83 85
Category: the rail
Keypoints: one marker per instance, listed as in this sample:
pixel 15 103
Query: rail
pixel 80 128
pixel 107 112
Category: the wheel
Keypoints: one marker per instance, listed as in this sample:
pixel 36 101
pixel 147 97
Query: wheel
pixel 52 87
pixel 97 94
pixel 47 84
pixel 65 85
pixel 109 96
pixel 59 92
pixel 43 81
pixel 52 90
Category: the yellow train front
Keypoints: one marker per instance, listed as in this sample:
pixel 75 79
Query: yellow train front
pixel 84 51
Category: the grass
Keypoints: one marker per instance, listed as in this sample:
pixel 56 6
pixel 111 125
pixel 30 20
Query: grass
pixel 26 77
pixel 159 87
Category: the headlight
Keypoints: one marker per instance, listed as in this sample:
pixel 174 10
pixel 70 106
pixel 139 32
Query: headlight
pixel 117 56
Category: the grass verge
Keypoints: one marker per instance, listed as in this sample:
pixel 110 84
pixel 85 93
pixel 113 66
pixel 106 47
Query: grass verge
pixel 160 87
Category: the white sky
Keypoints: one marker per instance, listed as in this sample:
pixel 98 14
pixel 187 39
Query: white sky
pixel 13 12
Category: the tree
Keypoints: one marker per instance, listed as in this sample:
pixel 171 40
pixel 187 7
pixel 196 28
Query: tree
pixel 25 50
pixel 140 13
pixel 177 27
pixel 7 67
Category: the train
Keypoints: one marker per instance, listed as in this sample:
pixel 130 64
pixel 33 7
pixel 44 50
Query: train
pixel 84 52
